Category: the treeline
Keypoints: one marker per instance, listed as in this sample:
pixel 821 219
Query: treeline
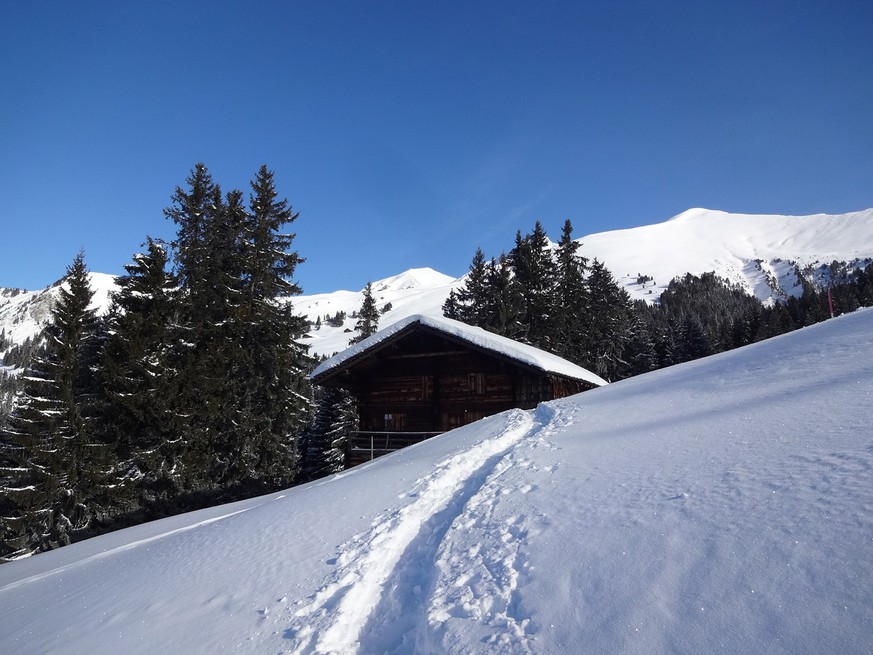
pixel 192 390
pixel 552 299
pixel 555 299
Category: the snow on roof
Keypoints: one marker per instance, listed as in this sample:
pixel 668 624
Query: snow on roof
pixel 476 336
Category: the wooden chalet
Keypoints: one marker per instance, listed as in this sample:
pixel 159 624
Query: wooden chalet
pixel 425 375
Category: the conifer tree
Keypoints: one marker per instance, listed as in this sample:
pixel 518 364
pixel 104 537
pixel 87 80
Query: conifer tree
pixel 327 442
pixel 504 302
pixel 276 400
pixel 57 473
pixel 472 297
pixel 241 368
pixel 609 329
pixel 201 339
pixel 572 310
pixel 451 308
pixel 368 317
pixel 534 271
pixel 137 374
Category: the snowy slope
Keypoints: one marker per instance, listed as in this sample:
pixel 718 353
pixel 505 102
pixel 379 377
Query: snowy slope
pixel 416 291
pixel 757 251
pixel 24 314
pixel 721 505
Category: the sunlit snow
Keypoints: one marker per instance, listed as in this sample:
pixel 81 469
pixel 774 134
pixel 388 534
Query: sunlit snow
pixel 721 505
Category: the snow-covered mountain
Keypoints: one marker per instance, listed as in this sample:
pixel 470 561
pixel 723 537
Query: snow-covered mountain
pixel 760 252
pixel 23 314
pixel 416 291
pixel 721 505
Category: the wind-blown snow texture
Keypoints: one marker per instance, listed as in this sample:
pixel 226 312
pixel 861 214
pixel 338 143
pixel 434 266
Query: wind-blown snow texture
pixel 721 505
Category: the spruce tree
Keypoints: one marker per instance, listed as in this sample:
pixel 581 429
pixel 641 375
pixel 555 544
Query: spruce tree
pixel 199 344
pixel 504 300
pixel 326 444
pixel 472 297
pixel 368 317
pixel 572 305
pixel 243 391
pixel 138 373
pixel 534 271
pixel 56 480
pixel 276 398
pixel 609 328
pixel 451 308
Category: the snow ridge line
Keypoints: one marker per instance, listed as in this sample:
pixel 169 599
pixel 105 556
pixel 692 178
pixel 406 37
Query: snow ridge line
pixel 337 615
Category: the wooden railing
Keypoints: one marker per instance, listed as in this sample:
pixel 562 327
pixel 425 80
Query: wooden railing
pixel 369 444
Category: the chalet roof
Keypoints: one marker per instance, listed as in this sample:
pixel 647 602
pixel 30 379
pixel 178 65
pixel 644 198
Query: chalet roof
pixel 477 337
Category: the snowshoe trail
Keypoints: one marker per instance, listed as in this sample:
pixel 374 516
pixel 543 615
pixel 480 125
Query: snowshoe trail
pixel 378 598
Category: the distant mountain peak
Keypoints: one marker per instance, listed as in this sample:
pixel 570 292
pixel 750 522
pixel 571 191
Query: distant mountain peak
pixel 693 213
pixel 414 278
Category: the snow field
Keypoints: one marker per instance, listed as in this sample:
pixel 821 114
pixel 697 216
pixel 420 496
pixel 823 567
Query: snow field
pixel 721 505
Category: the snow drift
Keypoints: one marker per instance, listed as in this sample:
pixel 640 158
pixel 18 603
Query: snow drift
pixel 725 504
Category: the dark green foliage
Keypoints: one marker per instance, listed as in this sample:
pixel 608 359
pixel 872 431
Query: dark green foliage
pixel 534 270
pixel 52 471
pixel 608 326
pixel 326 444
pixel 471 302
pixel 368 317
pixel 451 308
pixel 555 300
pixel 193 390
pixel 504 301
pixel 572 299
pixel 552 300
pixel 336 320
pixel 241 371
pixel 710 315
pixel 138 376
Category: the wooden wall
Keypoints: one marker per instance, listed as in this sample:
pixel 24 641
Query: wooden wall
pixel 427 383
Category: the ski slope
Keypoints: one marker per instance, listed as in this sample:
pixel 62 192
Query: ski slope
pixel 721 505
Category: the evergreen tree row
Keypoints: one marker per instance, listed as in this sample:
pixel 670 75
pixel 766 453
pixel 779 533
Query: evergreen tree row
pixel 192 390
pixel 551 298
pixel 702 315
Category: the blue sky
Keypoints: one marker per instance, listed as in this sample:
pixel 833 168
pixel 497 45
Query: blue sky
pixel 408 133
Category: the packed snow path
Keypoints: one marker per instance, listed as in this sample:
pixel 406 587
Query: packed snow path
pixel 351 612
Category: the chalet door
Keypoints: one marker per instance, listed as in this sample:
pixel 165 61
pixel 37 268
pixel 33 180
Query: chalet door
pixel 395 422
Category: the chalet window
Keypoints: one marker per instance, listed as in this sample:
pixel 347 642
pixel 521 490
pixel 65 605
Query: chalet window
pixel 395 422
pixel 476 383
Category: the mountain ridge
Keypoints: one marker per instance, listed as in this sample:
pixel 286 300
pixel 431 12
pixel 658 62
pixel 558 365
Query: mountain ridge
pixel 766 254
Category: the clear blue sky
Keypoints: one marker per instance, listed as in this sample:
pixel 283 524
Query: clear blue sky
pixel 408 133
